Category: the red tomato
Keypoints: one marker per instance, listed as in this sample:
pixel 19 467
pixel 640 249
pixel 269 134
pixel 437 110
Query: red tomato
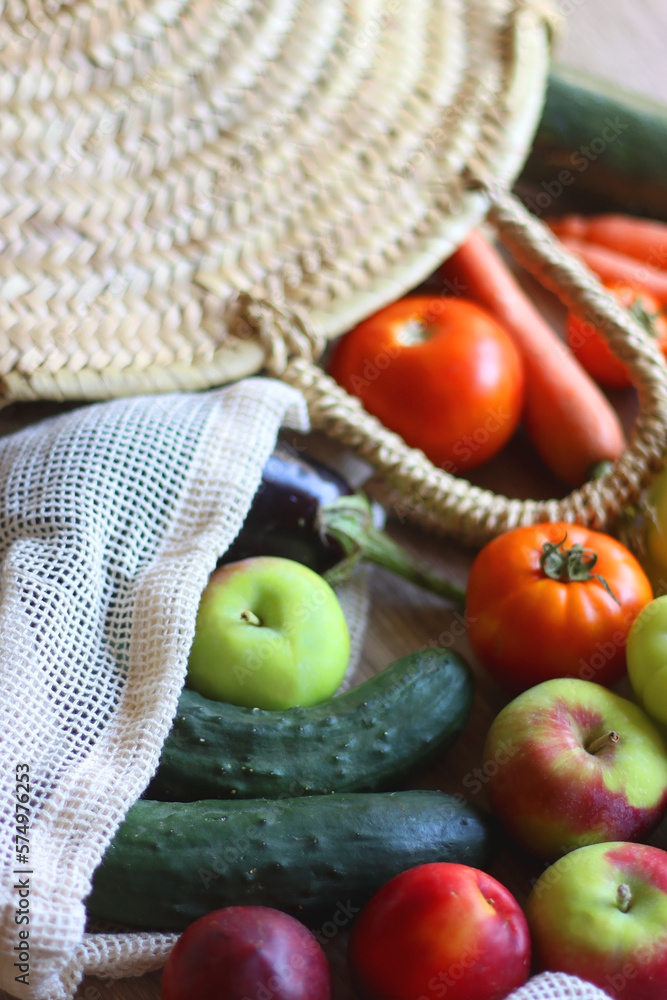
pixel 439 930
pixel 553 600
pixel 440 372
pixel 588 345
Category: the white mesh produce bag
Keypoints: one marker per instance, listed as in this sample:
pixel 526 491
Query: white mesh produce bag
pixel 112 516
pixel 557 986
pixel 111 519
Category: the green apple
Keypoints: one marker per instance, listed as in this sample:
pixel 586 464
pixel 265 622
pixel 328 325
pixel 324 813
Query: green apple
pixel 646 654
pixel 569 763
pixel 600 913
pixel 270 633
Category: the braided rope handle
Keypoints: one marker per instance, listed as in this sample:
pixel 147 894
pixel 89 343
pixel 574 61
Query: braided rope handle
pixel 453 506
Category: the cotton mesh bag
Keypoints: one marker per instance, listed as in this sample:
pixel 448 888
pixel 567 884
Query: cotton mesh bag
pixel 112 518
pixel 558 986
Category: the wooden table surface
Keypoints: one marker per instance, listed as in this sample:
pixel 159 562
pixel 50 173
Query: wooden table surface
pixel 623 40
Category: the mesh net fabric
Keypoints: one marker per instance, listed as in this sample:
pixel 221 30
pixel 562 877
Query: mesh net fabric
pixel 557 986
pixel 111 518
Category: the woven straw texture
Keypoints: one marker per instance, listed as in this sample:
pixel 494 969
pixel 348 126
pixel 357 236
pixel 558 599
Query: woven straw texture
pixel 450 505
pixel 111 519
pixel 160 155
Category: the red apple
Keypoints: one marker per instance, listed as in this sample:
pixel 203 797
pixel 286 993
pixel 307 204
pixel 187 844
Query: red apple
pixel 600 913
pixel 436 930
pixel 246 951
pixel 570 763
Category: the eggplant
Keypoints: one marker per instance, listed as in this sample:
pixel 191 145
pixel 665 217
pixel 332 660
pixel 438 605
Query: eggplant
pixel 284 517
pixel 305 511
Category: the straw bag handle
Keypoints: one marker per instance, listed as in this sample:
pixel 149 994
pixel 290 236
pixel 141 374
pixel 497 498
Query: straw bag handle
pixel 450 505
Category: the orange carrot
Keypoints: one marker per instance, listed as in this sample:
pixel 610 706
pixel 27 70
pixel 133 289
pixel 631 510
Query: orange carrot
pixel 613 266
pixel 571 423
pixel 643 239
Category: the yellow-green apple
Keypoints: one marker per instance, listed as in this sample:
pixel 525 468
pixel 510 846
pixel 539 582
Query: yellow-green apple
pixel 570 763
pixel 600 913
pixel 439 930
pixel 270 633
pixel 646 653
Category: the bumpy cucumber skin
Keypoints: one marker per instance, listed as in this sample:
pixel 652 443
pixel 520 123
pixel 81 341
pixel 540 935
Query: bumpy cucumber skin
pixel 364 740
pixel 171 863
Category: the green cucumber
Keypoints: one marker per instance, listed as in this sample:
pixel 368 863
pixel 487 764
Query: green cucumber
pixel 600 142
pixel 171 863
pixel 364 740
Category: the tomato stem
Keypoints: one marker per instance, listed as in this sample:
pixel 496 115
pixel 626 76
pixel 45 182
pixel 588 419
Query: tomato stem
pixel 600 469
pixel 644 317
pixel 413 332
pixel 573 565
pixel 602 742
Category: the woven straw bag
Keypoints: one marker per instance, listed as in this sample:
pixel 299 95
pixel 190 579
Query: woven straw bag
pixel 194 190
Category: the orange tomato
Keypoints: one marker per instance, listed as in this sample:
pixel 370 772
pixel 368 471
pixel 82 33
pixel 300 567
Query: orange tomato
pixel 588 345
pixel 553 600
pixel 440 372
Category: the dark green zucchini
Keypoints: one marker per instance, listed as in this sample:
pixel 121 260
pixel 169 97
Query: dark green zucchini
pixel 363 740
pixel 170 863
pixel 600 143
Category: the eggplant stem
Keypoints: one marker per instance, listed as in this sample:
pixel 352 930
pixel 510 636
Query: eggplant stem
pixel 349 520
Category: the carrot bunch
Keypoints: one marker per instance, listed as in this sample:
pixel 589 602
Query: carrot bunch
pixel 619 248
pixel 570 421
pixel 629 255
